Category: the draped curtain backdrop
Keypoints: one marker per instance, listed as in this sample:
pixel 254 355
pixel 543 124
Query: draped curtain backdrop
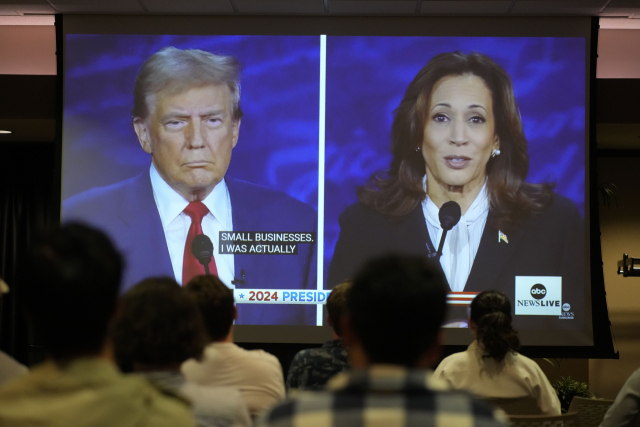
pixel 28 205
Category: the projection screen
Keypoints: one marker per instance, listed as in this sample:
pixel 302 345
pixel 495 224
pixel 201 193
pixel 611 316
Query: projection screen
pixel 292 170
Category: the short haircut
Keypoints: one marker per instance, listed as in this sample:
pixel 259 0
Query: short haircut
pixel 178 70
pixel 337 304
pixel 71 277
pixel 157 323
pixel 216 304
pixel 396 307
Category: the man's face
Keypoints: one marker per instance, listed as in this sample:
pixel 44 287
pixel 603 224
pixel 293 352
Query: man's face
pixel 190 136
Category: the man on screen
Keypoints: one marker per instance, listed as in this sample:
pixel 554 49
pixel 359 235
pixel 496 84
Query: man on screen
pixel 187 116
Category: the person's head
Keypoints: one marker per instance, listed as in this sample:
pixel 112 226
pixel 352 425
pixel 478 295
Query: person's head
pixel 458 123
pixel 490 320
pixel 216 304
pixel 395 309
pixel 336 305
pixel 71 278
pixel 157 325
pixel 186 113
pixel 456 111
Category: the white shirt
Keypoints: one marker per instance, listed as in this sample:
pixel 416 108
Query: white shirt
pixel 462 241
pixel 176 223
pixel 256 373
pixel 515 376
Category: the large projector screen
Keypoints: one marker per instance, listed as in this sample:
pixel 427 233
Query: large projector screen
pixel 325 165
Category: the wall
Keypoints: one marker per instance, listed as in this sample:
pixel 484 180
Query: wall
pixel 620 229
pixel 28 49
pixel 618 56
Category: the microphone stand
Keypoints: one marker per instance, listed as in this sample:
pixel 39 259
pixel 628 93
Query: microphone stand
pixel 441 246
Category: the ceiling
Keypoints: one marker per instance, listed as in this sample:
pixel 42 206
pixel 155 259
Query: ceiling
pixel 602 8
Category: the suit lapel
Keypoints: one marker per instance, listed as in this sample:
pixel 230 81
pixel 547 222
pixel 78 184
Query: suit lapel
pixel 146 248
pixel 244 219
pixel 492 258
pixel 417 236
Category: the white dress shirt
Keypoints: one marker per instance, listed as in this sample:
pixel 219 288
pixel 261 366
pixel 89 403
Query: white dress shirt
pixel 462 241
pixel 176 223
pixel 256 373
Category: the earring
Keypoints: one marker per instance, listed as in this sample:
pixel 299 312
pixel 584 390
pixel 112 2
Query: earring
pixel 495 153
pixel 417 149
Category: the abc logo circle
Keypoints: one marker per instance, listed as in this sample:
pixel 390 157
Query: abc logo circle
pixel 566 307
pixel 538 291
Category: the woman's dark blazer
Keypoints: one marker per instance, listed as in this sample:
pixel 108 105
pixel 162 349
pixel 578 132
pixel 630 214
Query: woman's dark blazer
pixel 547 244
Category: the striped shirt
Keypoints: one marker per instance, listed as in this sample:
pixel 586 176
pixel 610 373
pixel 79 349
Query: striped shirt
pixel 383 395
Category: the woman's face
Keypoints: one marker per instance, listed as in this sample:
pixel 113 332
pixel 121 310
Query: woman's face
pixel 459 134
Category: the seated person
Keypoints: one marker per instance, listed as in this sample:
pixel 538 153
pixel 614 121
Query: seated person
pixel 157 328
pixel 72 280
pixel 256 373
pixel 312 368
pixel 392 329
pixel 491 367
pixel 625 411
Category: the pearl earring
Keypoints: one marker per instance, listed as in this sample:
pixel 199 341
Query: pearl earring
pixel 495 153
pixel 417 149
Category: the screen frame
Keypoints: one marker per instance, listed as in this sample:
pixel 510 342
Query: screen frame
pixel 397 26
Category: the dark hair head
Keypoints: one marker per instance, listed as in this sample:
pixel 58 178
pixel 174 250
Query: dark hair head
pixel 157 324
pixel 337 304
pixel 400 189
pixel 215 302
pixel 491 312
pixel 71 277
pixel 177 70
pixel 396 306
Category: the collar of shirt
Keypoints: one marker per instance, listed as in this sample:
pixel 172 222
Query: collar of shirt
pixel 478 209
pixel 385 378
pixel 171 204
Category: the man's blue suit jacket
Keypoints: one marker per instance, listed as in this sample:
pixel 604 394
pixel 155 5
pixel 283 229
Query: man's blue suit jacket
pixel 127 212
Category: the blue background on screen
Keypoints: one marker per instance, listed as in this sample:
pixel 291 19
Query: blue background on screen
pixel 367 77
pixel 278 143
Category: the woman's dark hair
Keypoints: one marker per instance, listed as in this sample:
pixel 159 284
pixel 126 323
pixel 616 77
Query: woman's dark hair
pixel 398 190
pixel 491 312
pixel 157 324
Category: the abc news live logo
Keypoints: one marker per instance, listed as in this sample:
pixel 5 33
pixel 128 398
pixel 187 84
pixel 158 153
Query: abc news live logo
pixel 541 296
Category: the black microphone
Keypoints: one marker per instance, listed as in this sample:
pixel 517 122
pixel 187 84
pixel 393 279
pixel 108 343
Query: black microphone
pixel 202 249
pixel 449 216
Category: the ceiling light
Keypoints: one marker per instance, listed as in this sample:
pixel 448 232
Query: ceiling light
pixel 5 131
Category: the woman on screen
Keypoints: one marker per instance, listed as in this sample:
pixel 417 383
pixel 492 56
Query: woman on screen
pixel 457 136
pixel 491 367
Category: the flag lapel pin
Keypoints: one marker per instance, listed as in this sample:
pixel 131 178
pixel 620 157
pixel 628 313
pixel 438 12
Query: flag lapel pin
pixel 502 237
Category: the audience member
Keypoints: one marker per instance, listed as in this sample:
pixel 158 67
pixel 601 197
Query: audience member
pixel 394 311
pixel 157 328
pixel 72 280
pixel 625 411
pixel 491 367
pixel 256 373
pixel 312 368
pixel 9 367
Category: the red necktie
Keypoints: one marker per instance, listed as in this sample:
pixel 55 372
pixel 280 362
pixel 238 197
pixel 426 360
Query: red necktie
pixel 191 267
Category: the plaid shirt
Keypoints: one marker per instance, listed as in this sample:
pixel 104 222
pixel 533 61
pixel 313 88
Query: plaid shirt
pixel 384 395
